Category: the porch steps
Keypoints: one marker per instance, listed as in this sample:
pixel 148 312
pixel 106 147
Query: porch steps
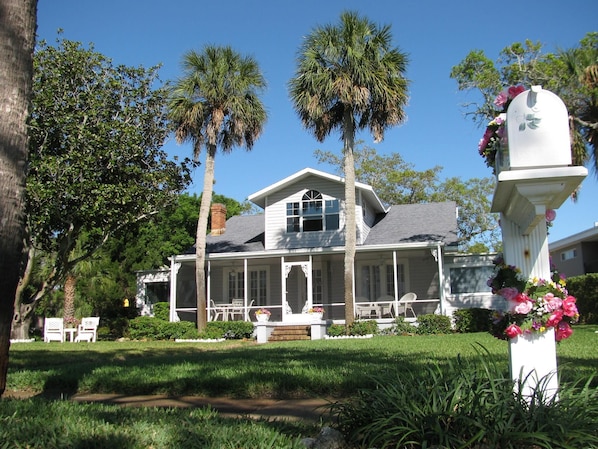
pixel 290 333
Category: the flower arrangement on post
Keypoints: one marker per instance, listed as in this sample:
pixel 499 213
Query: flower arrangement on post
pixel 534 304
pixel 495 131
pixel 262 314
pixel 316 310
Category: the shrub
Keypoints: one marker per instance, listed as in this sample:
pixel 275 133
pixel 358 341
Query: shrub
pixel 468 404
pixel 433 324
pixel 472 320
pixel 401 327
pixel 162 311
pixel 365 327
pixel 231 330
pixel 585 290
pixel 151 328
pixel 336 330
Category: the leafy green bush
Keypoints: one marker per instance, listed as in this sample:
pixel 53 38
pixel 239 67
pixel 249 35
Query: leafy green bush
pixel 472 320
pixel 585 290
pixel 365 327
pixel 401 327
pixel 357 328
pixel 469 404
pixel 433 324
pixel 162 311
pixel 231 330
pixel 336 330
pixel 151 328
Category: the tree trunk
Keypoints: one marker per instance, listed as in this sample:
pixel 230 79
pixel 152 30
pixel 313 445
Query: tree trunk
pixel 350 219
pixel 200 242
pixel 17 39
pixel 69 297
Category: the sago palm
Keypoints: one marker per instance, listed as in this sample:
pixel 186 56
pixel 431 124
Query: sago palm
pixel 215 104
pixel 349 78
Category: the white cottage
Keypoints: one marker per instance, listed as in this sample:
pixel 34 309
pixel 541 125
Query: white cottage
pixel 290 258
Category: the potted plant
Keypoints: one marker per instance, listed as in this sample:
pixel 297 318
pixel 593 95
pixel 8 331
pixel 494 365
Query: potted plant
pixel 316 312
pixel 262 315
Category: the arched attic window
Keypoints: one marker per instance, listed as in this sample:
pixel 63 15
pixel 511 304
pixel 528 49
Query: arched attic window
pixel 313 213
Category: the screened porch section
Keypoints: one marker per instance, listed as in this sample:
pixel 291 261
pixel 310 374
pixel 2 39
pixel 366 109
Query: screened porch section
pixel 289 286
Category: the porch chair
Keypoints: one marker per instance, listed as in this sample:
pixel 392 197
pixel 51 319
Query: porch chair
pixel 217 311
pixel 405 304
pixel 363 309
pixel 88 329
pixel 386 306
pixel 237 308
pixel 54 329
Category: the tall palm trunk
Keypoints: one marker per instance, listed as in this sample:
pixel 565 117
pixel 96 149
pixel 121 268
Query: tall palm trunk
pixel 69 297
pixel 350 219
pixel 200 242
pixel 17 37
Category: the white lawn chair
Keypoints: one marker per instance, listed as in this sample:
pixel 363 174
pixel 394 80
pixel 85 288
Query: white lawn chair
pixel 404 304
pixel 217 311
pixel 237 308
pixel 88 329
pixel 54 329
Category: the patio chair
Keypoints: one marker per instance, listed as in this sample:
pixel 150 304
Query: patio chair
pixel 217 311
pixel 237 308
pixel 385 303
pixel 363 309
pixel 54 330
pixel 88 329
pixel 405 304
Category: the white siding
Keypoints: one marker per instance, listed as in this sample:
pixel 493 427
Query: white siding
pixel 276 236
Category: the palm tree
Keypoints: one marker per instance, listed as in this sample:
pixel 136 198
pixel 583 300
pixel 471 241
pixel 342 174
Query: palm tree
pixel 582 66
pixel 349 78
pixel 216 105
pixel 17 33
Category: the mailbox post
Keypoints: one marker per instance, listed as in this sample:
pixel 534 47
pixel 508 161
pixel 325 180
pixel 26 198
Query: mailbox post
pixel 534 174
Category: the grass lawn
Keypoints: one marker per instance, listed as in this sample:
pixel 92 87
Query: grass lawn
pixel 323 368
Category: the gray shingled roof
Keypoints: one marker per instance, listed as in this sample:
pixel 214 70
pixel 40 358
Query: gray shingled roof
pixel 407 223
pixel 243 233
pixel 411 223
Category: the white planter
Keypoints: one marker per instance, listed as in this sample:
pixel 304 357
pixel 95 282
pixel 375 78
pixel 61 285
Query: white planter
pixel 262 317
pixel 533 363
pixel 316 316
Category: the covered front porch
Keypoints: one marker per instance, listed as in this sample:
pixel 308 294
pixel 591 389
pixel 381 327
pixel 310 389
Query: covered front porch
pixel 292 285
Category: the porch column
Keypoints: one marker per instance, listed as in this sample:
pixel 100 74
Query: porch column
pixel 439 257
pixel 174 269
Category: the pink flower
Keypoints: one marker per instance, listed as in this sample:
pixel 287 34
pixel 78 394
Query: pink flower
pixel 509 293
pixel 501 99
pixel 563 330
pixel 555 318
pixel 552 302
pixel 513 330
pixel 521 297
pixel 550 215
pixel 569 307
pixel 523 308
pixel 515 90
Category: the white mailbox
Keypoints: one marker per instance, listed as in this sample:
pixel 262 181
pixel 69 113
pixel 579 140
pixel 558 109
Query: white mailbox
pixel 537 131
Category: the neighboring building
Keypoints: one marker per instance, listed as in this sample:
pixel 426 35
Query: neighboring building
pixel 291 257
pixel 577 254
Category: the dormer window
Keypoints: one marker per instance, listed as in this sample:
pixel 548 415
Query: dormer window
pixel 313 214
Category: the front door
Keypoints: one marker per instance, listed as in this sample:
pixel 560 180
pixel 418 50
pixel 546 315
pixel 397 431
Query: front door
pixel 297 287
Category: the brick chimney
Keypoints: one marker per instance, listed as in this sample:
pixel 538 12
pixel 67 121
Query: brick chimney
pixel 218 219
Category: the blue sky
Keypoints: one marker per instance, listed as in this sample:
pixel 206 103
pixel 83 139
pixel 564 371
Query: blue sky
pixel 436 35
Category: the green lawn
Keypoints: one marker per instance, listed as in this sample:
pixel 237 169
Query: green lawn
pixel 322 368
pixel 325 368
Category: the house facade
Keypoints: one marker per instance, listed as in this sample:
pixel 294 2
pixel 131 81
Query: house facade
pixel 577 254
pixel 291 258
